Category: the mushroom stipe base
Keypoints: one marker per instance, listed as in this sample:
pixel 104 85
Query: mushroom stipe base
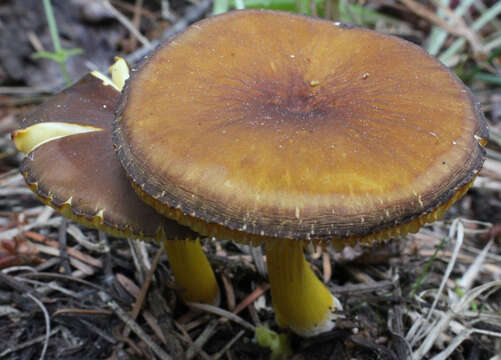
pixel 195 280
pixel 301 302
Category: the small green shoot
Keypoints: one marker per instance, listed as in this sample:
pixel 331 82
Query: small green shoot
pixel 460 292
pixel 59 54
pixel 426 269
pixel 277 343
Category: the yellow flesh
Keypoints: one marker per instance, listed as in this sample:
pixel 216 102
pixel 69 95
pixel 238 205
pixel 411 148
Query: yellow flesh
pixel 300 300
pixel 192 271
pixel 27 140
pixel 106 80
pixel 119 72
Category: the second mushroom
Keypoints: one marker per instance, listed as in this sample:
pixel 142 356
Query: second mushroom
pixel 71 166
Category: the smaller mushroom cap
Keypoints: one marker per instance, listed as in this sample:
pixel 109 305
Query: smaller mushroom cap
pixel 71 165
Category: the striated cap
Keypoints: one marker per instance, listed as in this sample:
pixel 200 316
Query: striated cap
pixel 71 165
pixel 262 124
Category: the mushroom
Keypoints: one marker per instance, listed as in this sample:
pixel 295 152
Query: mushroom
pixel 275 128
pixel 71 166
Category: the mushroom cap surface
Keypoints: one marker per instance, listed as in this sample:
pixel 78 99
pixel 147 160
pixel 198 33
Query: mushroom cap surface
pixel 80 175
pixel 274 125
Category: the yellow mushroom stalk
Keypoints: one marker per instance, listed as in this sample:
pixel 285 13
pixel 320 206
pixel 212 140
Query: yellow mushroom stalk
pixel 301 302
pixel 195 279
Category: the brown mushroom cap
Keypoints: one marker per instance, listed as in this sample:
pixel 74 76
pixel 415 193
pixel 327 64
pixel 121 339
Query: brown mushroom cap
pixel 279 125
pixel 80 175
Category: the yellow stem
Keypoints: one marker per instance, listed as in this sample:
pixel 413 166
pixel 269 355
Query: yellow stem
pixel 300 300
pixel 192 271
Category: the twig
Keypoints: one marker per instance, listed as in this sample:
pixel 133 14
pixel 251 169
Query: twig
pixel 251 298
pixel 14 283
pixel 26 91
pixel 35 41
pixel 442 323
pixel 381 351
pixel 462 29
pixel 130 8
pixel 326 267
pixel 80 265
pixel 395 323
pixel 357 289
pixel 98 331
pixel 136 21
pixel 152 322
pixel 15 192
pixel 192 14
pixel 129 285
pixel 223 313
pixel 47 324
pixel 61 277
pixel 45 288
pixel 478 24
pixel 457 27
pixel 28 343
pixel 166 12
pixel 251 308
pixel 107 262
pixel 458 228
pixel 185 337
pixel 257 257
pixel 45 214
pixel 82 312
pixel 138 256
pixel 221 352
pixel 134 326
pixel 198 344
pixel 101 246
pixel 127 24
pixel 230 292
pixel 473 270
pixel 63 252
pixel 71 251
pixel 193 324
pixel 144 289
pixel 11 233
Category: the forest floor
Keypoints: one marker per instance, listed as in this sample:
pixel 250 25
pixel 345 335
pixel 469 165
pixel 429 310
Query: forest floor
pixel 67 292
